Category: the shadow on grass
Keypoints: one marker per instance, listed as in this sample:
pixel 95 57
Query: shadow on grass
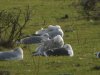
pixel 4 72
pixel 96 68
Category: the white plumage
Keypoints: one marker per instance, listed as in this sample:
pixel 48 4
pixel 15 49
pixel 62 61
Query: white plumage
pixel 68 47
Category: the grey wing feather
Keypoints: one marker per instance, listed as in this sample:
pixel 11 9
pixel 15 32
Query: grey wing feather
pixel 7 55
pixel 31 40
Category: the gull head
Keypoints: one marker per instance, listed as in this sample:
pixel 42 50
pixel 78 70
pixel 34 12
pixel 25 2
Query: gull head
pixel 45 36
pixel 19 52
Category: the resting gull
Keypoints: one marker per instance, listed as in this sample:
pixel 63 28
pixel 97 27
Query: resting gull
pixel 32 39
pixel 51 30
pixel 66 50
pixel 15 54
pixel 49 44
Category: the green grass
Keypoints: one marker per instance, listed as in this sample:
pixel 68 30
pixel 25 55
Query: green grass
pixel 85 40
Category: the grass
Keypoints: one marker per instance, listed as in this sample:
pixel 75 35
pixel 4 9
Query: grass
pixel 84 39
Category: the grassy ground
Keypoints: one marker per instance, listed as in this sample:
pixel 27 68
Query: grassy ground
pixel 83 35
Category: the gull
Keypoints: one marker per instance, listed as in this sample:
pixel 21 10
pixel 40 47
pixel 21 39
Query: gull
pixel 49 44
pixel 15 54
pixel 51 30
pixel 33 39
pixel 66 50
